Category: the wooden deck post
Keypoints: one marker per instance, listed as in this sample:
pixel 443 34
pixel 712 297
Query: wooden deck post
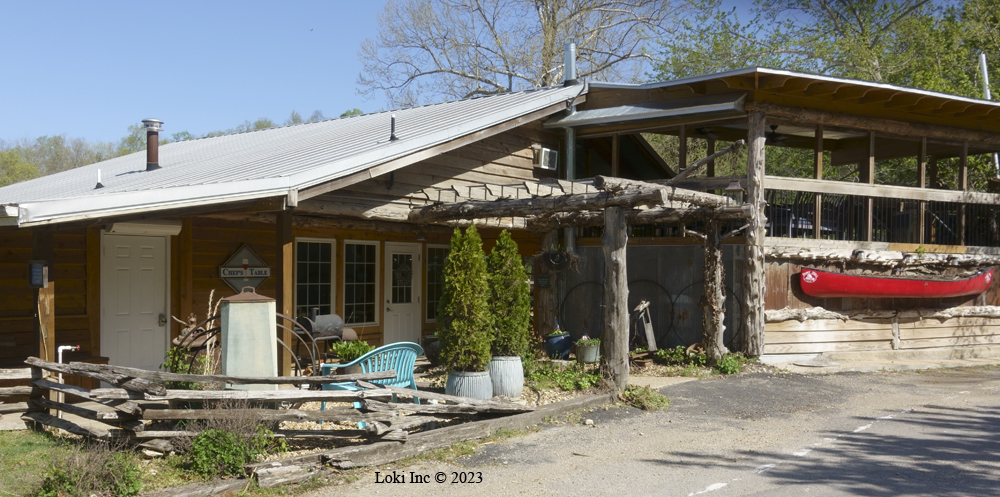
pixel 284 274
pixel 713 300
pixel 615 154
pixel 614 357
pixel 751 340
pixel 922 183
pixel 710 168
pixel 43 249
pixel 818 174
pixel 963 184
pixel 682 149
pixel 868 176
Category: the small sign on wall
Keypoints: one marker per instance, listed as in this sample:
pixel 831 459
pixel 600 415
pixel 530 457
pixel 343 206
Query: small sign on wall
pixel 38 274
pixel 244 269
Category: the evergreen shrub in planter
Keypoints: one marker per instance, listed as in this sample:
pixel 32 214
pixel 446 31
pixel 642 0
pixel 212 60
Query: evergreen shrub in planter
pixel 464 318
pixel 511 302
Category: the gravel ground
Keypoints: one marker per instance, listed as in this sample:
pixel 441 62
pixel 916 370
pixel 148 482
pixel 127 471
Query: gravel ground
pixel 749 434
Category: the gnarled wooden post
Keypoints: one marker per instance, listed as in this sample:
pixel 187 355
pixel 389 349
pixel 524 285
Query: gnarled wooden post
pixel 614 360
pixel 751 339
pixel 546 299
pixel 713 300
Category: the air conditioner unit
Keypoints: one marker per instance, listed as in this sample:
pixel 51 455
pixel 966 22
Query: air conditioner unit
pixel 546 158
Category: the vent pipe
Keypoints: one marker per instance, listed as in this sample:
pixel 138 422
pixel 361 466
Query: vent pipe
pixel 153 127
pixel 569 61
pixel 392 129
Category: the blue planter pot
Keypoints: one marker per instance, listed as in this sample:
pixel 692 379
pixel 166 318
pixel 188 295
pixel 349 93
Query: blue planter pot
pixel 557 346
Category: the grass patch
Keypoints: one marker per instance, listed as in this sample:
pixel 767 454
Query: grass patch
pixel 645 398
pixel 24 458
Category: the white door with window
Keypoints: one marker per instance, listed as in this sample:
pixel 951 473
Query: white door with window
pixel 134 300
pixel 402 292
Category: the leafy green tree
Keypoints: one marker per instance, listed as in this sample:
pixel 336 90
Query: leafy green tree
pixel 293 118
pixel 464 317
pixel 510 299
pixel 182 136
pixel 134 141
pixel 352 112
pixel 14 168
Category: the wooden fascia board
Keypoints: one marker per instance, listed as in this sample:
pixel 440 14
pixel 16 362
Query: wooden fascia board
pixel 427 153
pixel 810 116
pixel 885 191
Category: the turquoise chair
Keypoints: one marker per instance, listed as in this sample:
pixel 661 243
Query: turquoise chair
pixel 400 357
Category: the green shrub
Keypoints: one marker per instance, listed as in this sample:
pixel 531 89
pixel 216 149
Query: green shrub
pixel 574 377
pixel 510 299
pixel 730 364
pixel 217 452
pixel 350 350
pixel 678 356
pixel 124 475
pixel 645 398
pixel 183 360
pixel 588 342
pixel 58 482
pixel 464 318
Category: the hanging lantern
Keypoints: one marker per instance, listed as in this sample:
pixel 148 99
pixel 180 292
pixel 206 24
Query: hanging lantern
pixel 735 191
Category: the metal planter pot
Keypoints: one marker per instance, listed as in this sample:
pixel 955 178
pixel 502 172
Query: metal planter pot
pixel 588 354
pixel 507 376
pixel 476 385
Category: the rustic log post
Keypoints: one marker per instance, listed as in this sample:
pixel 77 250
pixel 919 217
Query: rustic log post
pixel 546 298
pixel 868 176
pixel 922 183
pixel 614 360
pixel 284 267
pixel 751 340
pixel 818 174
pixel 713 300
pixel 963 184
pixel 710 168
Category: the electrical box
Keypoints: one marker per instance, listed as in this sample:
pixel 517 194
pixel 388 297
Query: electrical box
pixel 546 158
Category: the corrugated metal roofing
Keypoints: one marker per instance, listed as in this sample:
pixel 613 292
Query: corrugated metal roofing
pixel 270 160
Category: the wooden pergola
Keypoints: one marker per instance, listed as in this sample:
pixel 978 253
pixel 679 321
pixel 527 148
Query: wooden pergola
pixel 614 203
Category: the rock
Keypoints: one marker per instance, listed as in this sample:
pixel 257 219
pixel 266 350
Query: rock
pixel 151 454
pixel 589 422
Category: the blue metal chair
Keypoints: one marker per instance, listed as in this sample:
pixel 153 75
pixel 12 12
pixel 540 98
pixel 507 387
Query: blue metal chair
pixel 400 356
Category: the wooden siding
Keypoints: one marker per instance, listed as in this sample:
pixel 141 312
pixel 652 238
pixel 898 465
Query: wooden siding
pixel 18 338
pixel 818 336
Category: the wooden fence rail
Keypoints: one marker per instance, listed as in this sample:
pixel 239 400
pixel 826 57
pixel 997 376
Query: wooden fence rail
pixel 139 408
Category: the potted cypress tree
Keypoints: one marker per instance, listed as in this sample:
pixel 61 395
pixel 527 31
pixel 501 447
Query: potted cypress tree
pixel 464 317
pixel 511 301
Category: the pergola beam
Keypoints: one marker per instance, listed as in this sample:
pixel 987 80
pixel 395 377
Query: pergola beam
pixel 672 194
pixel 501 208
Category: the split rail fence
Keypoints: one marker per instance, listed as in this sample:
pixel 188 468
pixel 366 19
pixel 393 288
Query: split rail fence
pixel 133 409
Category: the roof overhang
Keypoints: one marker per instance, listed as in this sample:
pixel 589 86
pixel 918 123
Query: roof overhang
pixel 709 106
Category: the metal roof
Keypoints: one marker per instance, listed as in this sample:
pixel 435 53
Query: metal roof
pixel 261 163
pixel 792 74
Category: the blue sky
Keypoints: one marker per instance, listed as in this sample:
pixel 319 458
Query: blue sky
pixel 90 69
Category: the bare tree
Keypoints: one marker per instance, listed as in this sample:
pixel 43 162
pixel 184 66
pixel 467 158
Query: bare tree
pixel 441 49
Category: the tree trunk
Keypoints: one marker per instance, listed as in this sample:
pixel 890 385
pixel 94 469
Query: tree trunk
pixel 713 301
pixel 751 340
pixel 614 360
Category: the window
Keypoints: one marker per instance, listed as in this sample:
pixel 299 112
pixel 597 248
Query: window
pixel 313 276
pixel 360 282
pixel 436 257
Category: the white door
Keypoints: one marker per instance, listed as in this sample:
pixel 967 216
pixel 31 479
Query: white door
pixel 134 300
pixel 402 292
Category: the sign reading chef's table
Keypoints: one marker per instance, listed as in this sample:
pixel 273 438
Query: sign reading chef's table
pixel 244 269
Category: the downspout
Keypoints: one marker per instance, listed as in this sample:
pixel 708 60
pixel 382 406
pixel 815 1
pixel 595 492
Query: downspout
pixel 569 59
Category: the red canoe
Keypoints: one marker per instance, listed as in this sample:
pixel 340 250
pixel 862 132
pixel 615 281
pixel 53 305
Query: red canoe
pixel 819 283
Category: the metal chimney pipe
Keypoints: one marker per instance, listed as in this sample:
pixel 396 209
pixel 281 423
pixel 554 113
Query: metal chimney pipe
pixel 153 127
pixel 392 129
pixel 569 61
